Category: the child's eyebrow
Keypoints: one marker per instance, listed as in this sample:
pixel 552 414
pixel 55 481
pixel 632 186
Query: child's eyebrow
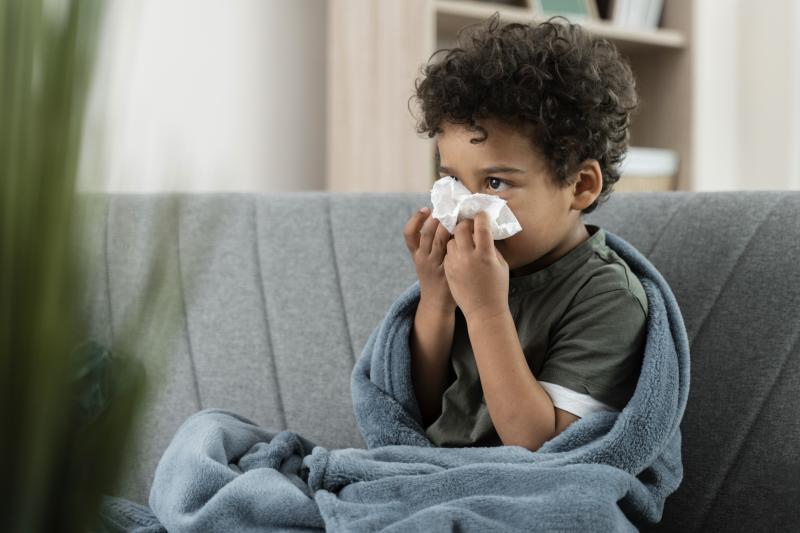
pixel 488 170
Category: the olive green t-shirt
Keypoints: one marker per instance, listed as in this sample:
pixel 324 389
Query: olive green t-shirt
pixel 581 324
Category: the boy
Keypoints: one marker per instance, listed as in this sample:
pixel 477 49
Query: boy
pixel 513 340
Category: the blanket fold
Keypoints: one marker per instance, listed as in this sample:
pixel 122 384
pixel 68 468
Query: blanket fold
pixel 606 472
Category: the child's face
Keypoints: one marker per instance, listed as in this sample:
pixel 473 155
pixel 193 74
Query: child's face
pixel 551 225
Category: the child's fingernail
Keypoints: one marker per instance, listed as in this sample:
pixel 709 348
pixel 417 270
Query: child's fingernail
pixel 424 210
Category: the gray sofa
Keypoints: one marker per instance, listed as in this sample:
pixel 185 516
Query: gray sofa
pixel 278 293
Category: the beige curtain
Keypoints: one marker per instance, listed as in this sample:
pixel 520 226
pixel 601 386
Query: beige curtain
pixel 747 95
pixel 375 51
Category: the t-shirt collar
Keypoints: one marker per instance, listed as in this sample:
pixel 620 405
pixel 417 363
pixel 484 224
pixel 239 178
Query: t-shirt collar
pixel 564 265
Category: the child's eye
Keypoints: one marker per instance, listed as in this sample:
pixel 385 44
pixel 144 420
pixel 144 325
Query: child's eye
pixel 498 181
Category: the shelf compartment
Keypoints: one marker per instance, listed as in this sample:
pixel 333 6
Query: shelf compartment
pixel 454 14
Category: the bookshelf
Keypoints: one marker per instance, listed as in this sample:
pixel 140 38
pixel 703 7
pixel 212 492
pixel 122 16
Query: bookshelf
pixel 659 57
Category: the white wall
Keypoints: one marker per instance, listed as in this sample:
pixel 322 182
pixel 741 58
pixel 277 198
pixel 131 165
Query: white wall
pixel 747 94
pixel 208 95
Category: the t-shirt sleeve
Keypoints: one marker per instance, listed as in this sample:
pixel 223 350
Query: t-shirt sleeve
pixel 596 347
pixel 577 403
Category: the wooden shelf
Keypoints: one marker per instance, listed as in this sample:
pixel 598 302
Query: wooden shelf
pixel 455 14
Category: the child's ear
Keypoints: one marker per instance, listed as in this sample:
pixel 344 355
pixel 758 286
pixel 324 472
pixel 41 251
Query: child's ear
pixel 587 184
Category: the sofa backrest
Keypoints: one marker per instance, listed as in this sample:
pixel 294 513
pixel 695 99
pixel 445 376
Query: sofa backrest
pixel 279 292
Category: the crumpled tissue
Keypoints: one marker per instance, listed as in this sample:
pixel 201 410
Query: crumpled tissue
pixel 452 202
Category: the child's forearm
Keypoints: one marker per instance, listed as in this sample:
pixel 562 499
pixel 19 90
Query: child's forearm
pixel 431 340
pixel 522 412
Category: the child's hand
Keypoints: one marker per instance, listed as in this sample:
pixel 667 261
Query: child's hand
pixel 477 273
pixel 426 239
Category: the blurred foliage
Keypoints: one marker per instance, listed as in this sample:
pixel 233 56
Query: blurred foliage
pixel 68 403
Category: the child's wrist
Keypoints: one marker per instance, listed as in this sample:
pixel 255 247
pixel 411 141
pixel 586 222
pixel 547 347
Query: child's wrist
pixel 488 314
pixel 437 306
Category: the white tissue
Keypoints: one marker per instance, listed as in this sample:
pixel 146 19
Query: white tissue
pixel 452 202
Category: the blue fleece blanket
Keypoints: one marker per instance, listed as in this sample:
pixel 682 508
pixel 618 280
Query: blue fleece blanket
pixel 607 471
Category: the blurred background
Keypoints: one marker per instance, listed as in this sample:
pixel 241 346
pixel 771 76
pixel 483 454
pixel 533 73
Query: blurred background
pixel 286 95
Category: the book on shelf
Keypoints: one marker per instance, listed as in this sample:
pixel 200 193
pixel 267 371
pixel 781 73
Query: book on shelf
pixel 633 14
pixel 648 169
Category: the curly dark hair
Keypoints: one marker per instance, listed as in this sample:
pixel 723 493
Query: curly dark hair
pixel 571 93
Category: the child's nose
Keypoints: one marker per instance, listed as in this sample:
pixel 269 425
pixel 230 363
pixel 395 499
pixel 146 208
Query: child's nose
pixel 471 189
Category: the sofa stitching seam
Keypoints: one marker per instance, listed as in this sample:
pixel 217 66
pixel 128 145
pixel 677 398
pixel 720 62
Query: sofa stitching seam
pixel 731 273
pixel 192 365
pixel 794 345
pixel 339 282
pixel 275 377
pixel 678 209
pixel 749 430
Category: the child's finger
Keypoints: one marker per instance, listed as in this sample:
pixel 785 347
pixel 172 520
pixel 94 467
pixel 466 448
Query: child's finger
pixel 440 238
pixel 463 234
pixel 483 233
pixel 426 235
pixel 412 229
